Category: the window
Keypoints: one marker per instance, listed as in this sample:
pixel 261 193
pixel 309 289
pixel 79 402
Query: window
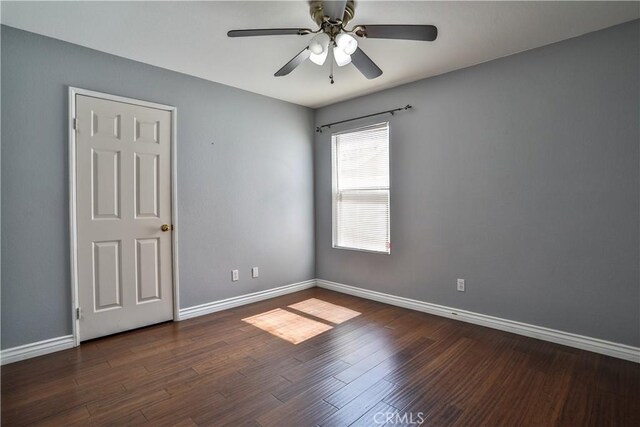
pixel 360 163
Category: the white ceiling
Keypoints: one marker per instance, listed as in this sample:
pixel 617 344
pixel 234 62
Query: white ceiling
pixel 190 37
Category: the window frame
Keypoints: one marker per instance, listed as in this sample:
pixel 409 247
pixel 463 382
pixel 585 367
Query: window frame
pixel 334 188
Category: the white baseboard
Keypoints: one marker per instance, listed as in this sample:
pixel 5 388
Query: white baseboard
pixel 595 345
pixel 212 307
pixel 39 348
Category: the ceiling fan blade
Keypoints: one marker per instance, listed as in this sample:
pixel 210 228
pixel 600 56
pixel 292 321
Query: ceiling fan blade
pixel 365 65
pixel 334 9
pixel 403 32
pixel 295 61
pixel 268 32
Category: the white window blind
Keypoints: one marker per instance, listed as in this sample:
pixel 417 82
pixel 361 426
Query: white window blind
pixel 361 189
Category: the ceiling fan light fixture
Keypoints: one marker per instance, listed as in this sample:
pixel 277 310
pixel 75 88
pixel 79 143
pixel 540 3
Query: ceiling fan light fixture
pixel 341 57
pixel 319 44
pixel 346 43
pixel 319 59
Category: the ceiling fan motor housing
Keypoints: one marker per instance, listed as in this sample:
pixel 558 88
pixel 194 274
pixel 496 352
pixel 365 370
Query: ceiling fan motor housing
pixel 316 9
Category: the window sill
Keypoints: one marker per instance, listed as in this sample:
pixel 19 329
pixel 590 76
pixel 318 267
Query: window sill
pixel 361 250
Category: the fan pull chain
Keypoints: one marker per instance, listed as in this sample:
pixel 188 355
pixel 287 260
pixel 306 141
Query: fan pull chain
pixel 331 59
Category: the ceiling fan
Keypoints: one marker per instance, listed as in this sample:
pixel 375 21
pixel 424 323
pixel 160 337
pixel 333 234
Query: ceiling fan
pixel 332 16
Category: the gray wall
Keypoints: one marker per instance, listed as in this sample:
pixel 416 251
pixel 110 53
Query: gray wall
pixel 520 175
pixel 245 200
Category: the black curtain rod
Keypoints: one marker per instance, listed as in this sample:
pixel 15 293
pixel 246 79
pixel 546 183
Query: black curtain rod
pixel 392 112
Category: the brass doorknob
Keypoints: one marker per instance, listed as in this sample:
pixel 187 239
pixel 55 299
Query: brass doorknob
pixel 165 227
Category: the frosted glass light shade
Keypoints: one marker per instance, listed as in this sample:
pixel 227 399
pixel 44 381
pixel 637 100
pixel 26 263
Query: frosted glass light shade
pixel 342 58
pixel 319 47
pixel 346 43
pixel 319 44
pixel 319 59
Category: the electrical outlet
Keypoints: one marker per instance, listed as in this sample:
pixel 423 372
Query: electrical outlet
pixel 254 272
pixel 235 275
pixel 460 285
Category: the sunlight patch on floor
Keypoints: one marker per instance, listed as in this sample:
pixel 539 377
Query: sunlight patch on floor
pixel 325 310
pixel 288 326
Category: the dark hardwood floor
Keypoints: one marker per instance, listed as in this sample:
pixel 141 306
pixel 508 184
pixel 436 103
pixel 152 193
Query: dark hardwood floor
pixel 388 364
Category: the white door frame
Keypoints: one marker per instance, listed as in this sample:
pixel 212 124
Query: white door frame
pixel 73 224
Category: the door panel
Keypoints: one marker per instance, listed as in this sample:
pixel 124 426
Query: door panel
pixel 106 184
pixel 146 176
pixel 123 197
pixel 105 124
pixel 148 269
pixel 146 131
pixel 107 275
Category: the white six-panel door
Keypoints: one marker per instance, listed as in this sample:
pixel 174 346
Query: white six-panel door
pixel 123 173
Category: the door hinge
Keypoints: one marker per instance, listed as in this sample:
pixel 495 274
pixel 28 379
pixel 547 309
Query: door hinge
pixel 78 313
pixel 75 123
